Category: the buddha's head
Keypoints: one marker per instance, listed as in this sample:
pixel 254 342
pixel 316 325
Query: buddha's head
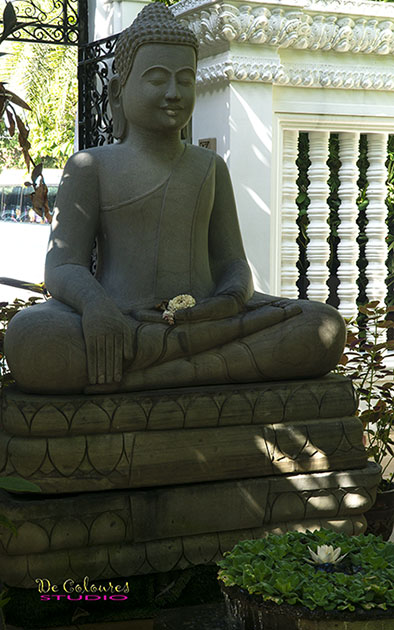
pixel 155 63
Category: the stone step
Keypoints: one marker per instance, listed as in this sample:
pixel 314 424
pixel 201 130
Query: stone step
pixel 217 405
pixel 53 524
pixel 118 560
pixel 180 456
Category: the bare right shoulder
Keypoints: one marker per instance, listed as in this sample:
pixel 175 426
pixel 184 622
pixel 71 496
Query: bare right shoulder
pixel 89 159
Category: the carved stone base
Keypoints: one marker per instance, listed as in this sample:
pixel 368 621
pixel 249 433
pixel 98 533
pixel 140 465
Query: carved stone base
pixel 141 531
pixel 180 436
pixel 183 475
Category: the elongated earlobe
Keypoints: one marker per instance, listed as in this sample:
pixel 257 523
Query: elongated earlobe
pixel 118 118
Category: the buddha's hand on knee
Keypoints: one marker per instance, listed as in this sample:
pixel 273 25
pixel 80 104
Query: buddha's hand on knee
pixel 108 339
pixel 268 314
pixel 217 307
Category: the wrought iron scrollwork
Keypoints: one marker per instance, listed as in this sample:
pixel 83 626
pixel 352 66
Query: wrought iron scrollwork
pixel 53 22
pixel 95 68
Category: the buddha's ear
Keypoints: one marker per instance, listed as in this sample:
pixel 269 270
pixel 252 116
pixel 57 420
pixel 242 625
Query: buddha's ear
pixel 118 118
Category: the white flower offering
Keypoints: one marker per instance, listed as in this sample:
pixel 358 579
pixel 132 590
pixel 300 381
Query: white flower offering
pixel 180 301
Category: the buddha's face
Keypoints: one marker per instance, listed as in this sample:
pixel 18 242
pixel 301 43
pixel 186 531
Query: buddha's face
pixel 159 93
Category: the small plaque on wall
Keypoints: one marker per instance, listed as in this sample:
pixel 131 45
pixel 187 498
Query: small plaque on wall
pixel 207 143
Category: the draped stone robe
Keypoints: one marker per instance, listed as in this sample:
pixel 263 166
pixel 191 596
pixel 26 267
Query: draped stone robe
pixel 182 236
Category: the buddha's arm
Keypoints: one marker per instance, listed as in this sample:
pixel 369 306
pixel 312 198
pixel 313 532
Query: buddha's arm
pixel 67 271
pixel 229 266
pixel 230 269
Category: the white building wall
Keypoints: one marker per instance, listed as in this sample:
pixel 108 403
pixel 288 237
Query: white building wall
pixel 107 18
pixel 271 66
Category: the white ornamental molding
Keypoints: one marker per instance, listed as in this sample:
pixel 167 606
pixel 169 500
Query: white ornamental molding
pixel 239 68
pixel 357 7
pixel 300 26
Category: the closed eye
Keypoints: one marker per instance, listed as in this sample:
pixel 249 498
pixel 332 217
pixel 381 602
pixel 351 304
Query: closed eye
pixel 157 81
pixel 186 82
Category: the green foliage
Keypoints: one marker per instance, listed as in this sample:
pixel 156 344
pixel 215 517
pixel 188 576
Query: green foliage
pixel 390 221
pixel 276 569
pixel 303 162
pixel 10 152
pixel 362 203
pixel 16 484
pixel 48 75
pixel 363 362
pixel 7 312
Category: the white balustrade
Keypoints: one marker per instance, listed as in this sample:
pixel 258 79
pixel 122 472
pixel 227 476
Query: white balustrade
pixel 318 230
pixel 348 249
pixel 289 247
pixel 376 212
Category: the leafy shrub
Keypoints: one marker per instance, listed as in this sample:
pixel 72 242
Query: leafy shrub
pixel 276 569
pixel 364 362
pixel 7 312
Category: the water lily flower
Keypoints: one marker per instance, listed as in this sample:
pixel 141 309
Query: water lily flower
pixel 326 554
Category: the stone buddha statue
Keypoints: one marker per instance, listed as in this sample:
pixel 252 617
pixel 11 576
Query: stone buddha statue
pixel 165 220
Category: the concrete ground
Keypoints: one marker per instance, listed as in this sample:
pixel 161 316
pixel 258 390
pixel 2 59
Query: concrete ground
pixel 142 624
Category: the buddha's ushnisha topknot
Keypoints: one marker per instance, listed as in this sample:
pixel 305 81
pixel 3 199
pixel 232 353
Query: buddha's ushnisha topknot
pixel 155 24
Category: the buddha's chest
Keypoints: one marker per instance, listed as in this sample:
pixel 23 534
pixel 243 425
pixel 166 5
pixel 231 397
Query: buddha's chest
pixel 132 177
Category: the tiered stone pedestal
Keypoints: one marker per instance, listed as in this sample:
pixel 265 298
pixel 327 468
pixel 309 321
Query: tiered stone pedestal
pixel 154 481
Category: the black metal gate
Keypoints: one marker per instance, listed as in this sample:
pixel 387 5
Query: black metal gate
pixel 55 22
pixel 95 68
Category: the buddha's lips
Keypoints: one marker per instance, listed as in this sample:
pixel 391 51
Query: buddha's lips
pixel 172 111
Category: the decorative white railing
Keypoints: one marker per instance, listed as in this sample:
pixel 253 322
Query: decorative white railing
pixel 376 230
pixel 318 250
pixel 318 213
pixel 270 69
pixel 348 249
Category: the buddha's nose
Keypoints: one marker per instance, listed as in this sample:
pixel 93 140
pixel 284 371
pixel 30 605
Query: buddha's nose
pixel 172 92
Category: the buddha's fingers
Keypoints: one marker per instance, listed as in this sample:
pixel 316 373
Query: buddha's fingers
pixel 267 316
pixel 109 358
pixel 91 355
pixel 118 358
pixel 292 310
pixel 101 358
pixel 128 350
pixel 211 309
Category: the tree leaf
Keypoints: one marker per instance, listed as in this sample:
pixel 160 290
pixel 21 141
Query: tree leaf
pixel 14 98
pixel 17 484
pixel 40 201
pixel 21 127
pixel 9 20
pixel 373 304
pixel 37 172
pixel 11 123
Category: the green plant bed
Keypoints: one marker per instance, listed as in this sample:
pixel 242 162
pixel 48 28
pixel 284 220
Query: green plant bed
pixel 276 583
pixel 250 613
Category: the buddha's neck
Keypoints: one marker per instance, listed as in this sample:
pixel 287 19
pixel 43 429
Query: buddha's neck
pixel 155 143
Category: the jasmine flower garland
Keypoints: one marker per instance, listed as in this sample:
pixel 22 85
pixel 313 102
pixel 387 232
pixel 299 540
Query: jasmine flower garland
pixel 177 303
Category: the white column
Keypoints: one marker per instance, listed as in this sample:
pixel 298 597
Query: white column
pixel 348 248
pixel 376 212
pixel 318 250
pixel 289 214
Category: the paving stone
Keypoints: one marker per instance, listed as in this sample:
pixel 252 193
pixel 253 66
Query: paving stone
pixel 205 617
